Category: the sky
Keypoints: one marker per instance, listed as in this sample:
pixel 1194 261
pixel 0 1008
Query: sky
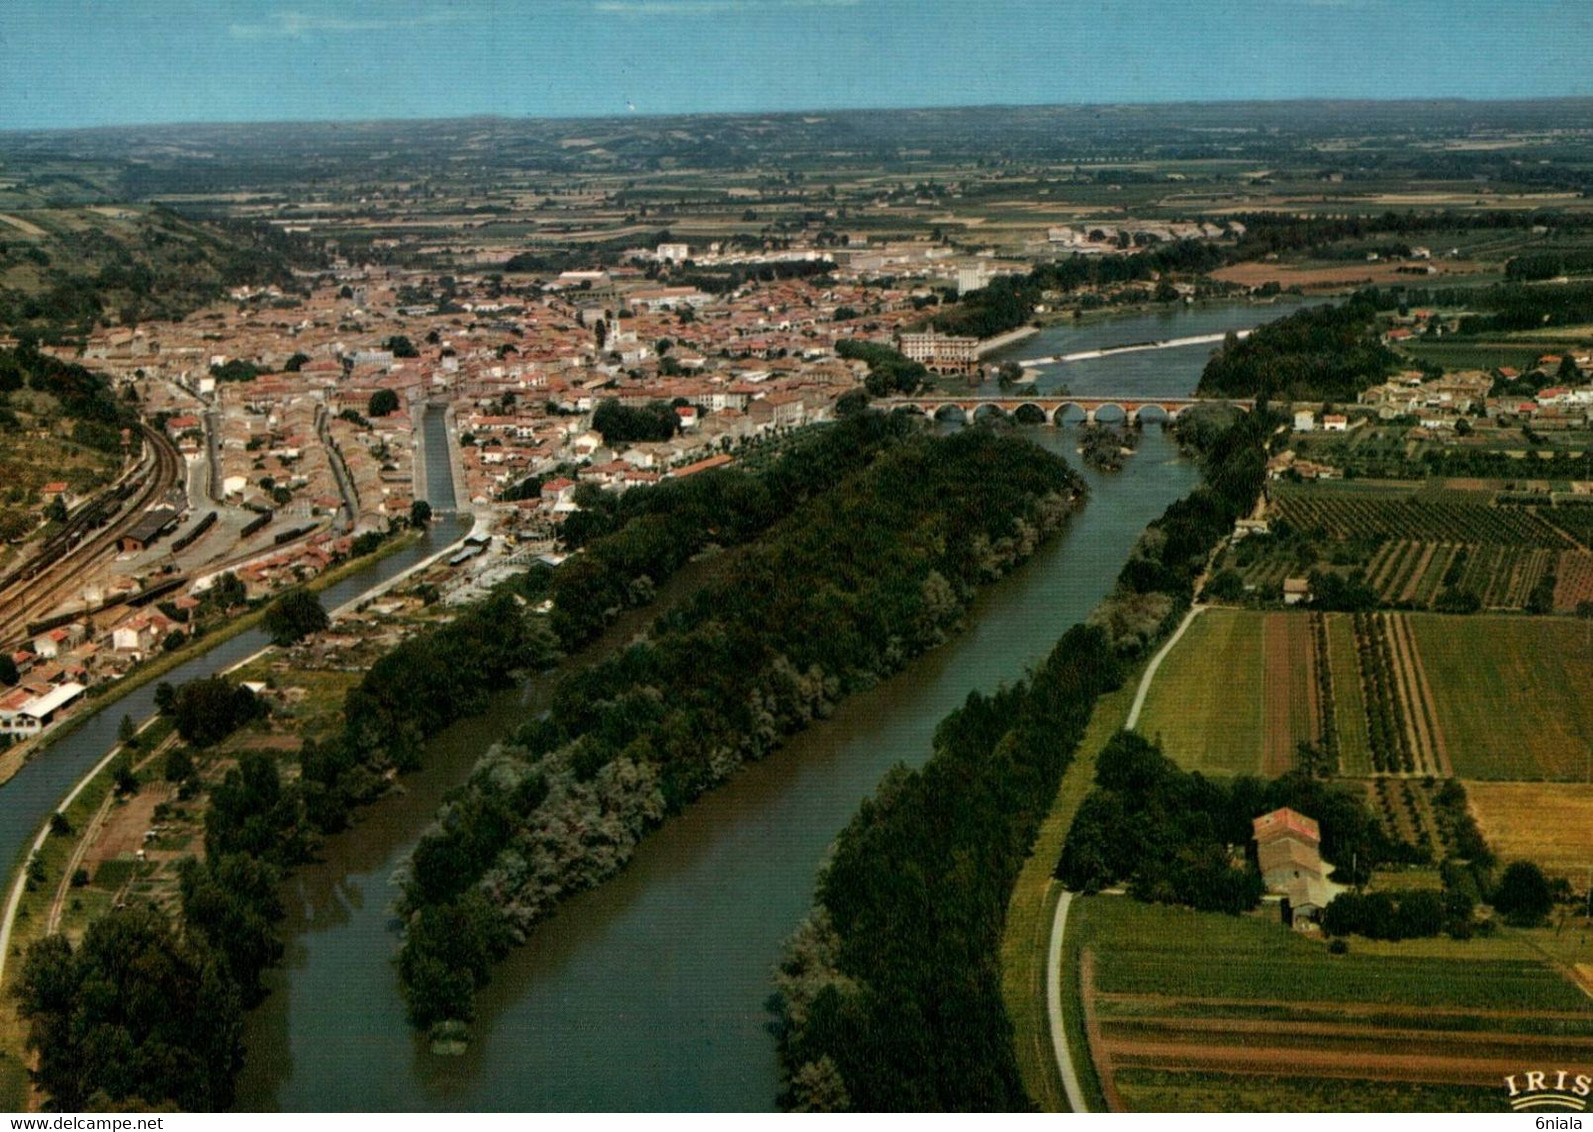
pixel 71 63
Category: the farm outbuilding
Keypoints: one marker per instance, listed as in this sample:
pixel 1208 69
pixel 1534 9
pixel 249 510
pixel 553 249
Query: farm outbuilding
pixel 1288 849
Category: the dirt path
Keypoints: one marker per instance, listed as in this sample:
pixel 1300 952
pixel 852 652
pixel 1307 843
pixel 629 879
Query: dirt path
pixel 1099 1052
pixel 1295 1061
pixel 53 921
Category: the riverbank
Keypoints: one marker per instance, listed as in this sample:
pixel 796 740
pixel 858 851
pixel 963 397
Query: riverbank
pixel 867 956
pixel 709 895
pixel 1027 934
pixel 645 735
pixel 20 754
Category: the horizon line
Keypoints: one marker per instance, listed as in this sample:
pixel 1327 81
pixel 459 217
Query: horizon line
pixel 500 116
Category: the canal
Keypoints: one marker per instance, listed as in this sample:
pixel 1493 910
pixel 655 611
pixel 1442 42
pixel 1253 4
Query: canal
pixel 648 993
pixel 29 798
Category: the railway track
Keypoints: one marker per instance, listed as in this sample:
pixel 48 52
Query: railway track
pixel 34 589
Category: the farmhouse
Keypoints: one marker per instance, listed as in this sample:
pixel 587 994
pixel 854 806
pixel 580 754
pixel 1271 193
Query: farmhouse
pixel 1288 850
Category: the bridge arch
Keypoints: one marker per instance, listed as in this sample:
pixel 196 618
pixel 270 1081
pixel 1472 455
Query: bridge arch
pixel 1030 413
pixel 1070 412
pixel 987 410
pixel 950 412
pixel 1110 412
pixel 1153 413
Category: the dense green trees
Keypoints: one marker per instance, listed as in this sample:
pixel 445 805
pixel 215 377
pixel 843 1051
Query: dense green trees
pixel 136 1012
pixel 889 371
pixel 231 903
pixel 1166 832
pixel 889 995
pixel 1157 582
pixel 382 403
pixel 413 692
pixel 885 562
pixel 1383 915
pixel 209 709
pixel 1320 353
pixel 889 998
pixel 294 616
pixel 621 424
pixel 1523 896
pixel 84 395
pixel 634 541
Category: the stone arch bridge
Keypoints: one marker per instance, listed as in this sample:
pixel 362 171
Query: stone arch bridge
pixel 1054 410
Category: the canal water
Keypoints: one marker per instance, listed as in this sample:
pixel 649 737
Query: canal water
pixel 649 992
pixel 29 798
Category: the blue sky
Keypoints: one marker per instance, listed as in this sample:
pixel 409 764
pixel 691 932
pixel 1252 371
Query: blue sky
pixel 109 62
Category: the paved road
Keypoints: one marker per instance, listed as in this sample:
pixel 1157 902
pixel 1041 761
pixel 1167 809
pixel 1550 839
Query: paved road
pixel 1156 662
pixel 1053 1006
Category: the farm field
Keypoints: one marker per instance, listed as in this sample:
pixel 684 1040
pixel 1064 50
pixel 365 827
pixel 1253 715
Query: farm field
pixel 1468 517
pixel 1355 685
pixel 1191 1010
pixel 1349 703
pixel 1413 541
pixel 1573 580
pixel 1205 703
pixel 1548 823
pixel 1510 693
pixel 1289 689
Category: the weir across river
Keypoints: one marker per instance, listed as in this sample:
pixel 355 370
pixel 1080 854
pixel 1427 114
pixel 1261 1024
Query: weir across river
pixel 1132 348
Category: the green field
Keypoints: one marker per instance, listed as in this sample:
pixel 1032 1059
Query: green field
pixel 1197 1011
pixel 1205 705
pixel 1349 705
pixel 1152 1090
pixel 1511 693
pixel 1164 950
pixel 1463 355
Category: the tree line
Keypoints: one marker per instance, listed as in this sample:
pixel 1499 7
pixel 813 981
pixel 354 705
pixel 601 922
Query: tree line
pixel 888 997
pixel 1325 353
pixel 630 542
pixel 1169 833
pixel 886 561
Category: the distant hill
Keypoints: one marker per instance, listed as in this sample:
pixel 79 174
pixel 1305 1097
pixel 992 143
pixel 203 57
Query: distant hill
pixel 63 269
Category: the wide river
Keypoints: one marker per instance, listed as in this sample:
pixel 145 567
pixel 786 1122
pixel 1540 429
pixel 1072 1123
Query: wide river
pixel 1145 373
pixel 648 993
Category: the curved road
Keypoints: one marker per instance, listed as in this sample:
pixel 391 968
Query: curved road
pixel 1053 1009
pixel 1155 663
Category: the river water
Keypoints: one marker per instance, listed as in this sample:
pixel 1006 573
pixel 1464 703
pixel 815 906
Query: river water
pixel 1146 373
pixel 649 992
